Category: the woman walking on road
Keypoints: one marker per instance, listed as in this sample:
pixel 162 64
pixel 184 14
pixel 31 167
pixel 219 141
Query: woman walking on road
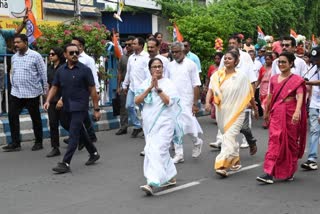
pixel 159 98
pixel 287 117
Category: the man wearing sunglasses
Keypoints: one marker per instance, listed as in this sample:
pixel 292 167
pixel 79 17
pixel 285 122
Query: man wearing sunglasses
pixel 76 83
pixel 300 68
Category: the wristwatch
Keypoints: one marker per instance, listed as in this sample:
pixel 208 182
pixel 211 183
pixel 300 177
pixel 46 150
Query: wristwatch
pixel 97 109
pixel 159 90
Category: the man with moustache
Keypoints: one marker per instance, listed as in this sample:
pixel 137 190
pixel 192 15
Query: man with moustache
pixel 75 80
pixel 29 82
pixel 153 47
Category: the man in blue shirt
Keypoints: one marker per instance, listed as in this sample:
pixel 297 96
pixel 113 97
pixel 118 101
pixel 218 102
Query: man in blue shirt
pixel 191 55
pixel 5 35
pixel 76 83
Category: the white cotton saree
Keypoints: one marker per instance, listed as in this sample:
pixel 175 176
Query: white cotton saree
pixel 232 93
pixel 159 125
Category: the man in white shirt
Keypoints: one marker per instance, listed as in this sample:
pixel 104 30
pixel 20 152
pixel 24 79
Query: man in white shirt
pixel 137 72
pixel 184 74
pixel 314 112
pixel 245 65
pixel 153 47
pixel 300 67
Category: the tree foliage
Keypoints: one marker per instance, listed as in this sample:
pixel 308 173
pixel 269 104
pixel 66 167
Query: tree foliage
pixel 201 24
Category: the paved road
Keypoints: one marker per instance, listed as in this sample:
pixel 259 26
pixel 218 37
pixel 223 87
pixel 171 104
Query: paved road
pixel 28 186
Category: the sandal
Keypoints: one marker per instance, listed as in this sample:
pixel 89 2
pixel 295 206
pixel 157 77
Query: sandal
pixel 223 173
pixel 172 182
pixel 147 189
pixel 235 167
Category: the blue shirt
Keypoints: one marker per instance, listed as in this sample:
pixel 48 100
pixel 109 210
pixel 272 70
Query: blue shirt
pixel 74 84
pixel 29 75
pixel 5 34
pixel 195 59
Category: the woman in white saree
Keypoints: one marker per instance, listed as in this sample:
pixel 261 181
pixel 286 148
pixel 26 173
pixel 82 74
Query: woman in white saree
pixel 232 92
pixel 159 98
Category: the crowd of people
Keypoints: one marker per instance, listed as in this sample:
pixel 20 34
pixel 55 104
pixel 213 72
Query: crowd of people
pixel 162 82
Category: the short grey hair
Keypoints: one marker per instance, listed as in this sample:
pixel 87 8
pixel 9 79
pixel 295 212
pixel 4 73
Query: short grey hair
pixel 178 44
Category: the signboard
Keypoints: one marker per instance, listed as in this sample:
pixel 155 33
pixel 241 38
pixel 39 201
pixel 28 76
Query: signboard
pixel 16 8
pixel 143 3
pixel 14 23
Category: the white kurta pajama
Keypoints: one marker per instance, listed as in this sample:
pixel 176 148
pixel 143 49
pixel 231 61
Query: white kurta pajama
pixel 185 77
pixel 159 121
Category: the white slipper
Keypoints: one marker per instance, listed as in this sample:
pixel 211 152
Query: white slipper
pixel 147 189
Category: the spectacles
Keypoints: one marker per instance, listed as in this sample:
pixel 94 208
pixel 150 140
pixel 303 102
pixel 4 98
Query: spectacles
pixel 282 62
pixel 287 45
pixel 52 54
pixel 174 52
pixel 71 53
pixel 128 45
pixel 156 67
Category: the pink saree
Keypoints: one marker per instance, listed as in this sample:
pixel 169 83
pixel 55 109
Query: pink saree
pixel 286 140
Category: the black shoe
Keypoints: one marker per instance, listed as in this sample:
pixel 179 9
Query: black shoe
pixel 93 158
pixel 121 132
pixel 66 141
pixel 54 152
pixel 37 146
pixel 62 168
pixel 266 178
pixel 136 132
pixel 11 148
pixel 309 165
pixel 80 146
pixel 93 140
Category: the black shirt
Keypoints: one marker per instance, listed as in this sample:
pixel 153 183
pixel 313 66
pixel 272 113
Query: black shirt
pixel 74 84
pixel 51 72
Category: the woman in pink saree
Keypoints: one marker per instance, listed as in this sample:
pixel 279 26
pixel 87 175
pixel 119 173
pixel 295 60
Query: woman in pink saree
pixel 287 117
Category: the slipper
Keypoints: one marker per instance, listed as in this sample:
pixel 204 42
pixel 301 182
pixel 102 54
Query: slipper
pixel 147 189
pixel 172 182
pixel 223 173
pixel 236 167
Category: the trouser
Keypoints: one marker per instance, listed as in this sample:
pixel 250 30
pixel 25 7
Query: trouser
pixel 73 122
pixel 2 87
pixel 314 134
pixel 90 128
pixel 54 118
pixel 132 111
pixel 245 129
pixel 15 108
pixel 179 147
pixel 123 111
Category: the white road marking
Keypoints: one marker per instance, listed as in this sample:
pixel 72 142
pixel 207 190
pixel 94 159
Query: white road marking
pixel 194 183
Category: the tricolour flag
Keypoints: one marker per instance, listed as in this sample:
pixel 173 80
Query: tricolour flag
pixel 33 31
pixel 293 33
pixel 117 51
pixel 177 36
pixel 314 41
pixel 260 33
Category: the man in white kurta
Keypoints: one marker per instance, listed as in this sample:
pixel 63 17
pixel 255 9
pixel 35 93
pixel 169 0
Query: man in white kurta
pixel 184 74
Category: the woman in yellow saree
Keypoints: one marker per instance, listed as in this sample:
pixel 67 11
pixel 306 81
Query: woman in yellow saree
pixel 232 92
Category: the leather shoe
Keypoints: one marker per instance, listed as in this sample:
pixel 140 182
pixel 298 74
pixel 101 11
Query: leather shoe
pixel 12 148
pixel 136 132
pixel 121 132
pixel 37 146
pixel 66 140
pixel 93 158
pixel 54 152
pixel 80 146
pixel 62 168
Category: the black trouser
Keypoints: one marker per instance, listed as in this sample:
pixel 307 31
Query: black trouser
pixel 123 111
pixel 246 130
pixel 15 108
pixel 89 126
pixel 54 118
pixel 258 101
pixel 73 122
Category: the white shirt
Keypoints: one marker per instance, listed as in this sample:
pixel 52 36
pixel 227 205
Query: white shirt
pixel 89 62
pixel 315 96
pixel 300 67
pixel 137 70
pixel 257 66
pixel 245 65
pixel 185 76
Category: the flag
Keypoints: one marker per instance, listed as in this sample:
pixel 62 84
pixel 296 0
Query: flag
pixel 120 7
pixel 117 51
pixel 293 33
pixel 177 36
pixel 260 33
pixel 314 41
pixel 33 31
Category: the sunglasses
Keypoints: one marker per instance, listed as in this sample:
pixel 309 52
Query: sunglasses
pixel 52 54
pixel 71 53
pixel 129 45
pixel 287 45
